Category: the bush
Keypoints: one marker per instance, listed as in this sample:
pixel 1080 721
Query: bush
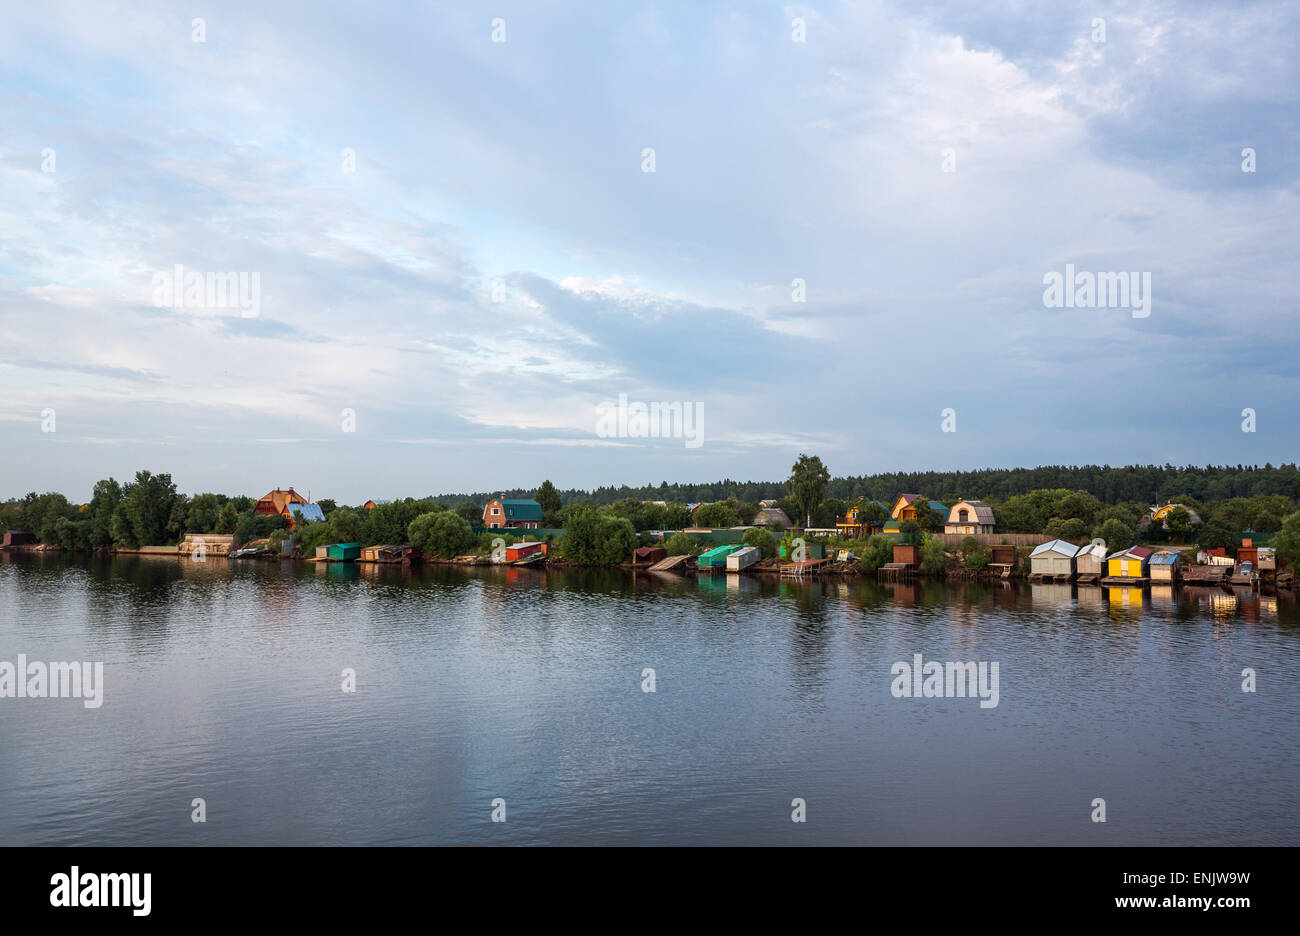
pixel 682 544
pixel 763 539
pixel 878 551
pixel 595 539
pixel 933 559
pixel 441 533
pixel 1116 533
pixel 975 554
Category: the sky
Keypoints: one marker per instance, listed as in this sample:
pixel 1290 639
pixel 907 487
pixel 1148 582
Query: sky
pixel 463 257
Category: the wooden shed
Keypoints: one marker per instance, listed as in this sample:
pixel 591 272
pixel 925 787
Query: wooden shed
pixel 715 558
pixel 1090 562
pixel 743 558
pixel 343 552
pixel 907 555
pixel 1131 563
pixel 1002 555
pixel 1164 566
pixel 519 551
pixel 20 538
pixel 1053 560
pixel 648 555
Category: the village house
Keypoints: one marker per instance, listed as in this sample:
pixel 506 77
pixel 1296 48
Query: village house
pixel 512 514
pixel 969 517
pixel 1160 513
pixel 907 504
pixel 275 501
pixel 855 525
pixel 772 517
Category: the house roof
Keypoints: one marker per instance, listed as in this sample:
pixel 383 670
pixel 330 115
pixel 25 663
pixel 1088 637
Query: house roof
pixel 280 497
pixel 1164 558
pixel 773 516
pixel 1141 552
pixel 983 512
pixel 1056 546
pixel 308 512
pixel 522 509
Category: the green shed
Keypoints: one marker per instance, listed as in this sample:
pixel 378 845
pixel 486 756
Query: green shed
pixel 716 558
pixel 344 552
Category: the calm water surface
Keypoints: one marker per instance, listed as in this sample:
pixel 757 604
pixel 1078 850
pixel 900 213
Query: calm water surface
pixel 223 681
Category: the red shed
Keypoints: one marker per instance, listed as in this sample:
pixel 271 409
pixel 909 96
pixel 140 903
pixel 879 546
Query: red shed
pixel 523 550
pixel 648 555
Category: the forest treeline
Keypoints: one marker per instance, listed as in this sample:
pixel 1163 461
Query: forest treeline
pixel 1148 484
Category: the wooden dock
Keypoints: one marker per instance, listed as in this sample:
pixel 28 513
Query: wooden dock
pixel 807 567
pixel 1206 574
pixel 1116 581
pixel 896 570
pixel 670 564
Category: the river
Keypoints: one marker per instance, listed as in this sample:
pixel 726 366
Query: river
pixel 521 692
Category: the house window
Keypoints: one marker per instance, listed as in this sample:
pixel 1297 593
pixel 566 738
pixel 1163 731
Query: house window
pixel 964 515
pixel 496 511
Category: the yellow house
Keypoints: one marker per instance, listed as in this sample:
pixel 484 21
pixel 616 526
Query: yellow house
pixel 905 507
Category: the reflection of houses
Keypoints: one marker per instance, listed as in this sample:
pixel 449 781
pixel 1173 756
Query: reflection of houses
pixel 855 525
pixel 275 501
pixel 512 514
pixel 969 517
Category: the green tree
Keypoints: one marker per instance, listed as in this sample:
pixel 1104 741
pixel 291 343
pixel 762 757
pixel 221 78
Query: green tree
pixel 934 561
pixel 1217 535
pixel 763 539
pixel 472 512
pixel 1178 523
pixel 682 544
pixel 878 551
pixel 550 500
pixel 807 483
pixel 719 514
pixel 1287 541
pixel 144 516
pixel 441 533
pixel 1117 534
pixel 203 513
